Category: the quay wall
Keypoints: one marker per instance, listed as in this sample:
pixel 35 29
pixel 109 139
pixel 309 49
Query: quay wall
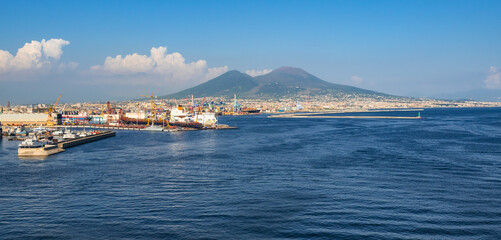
pixel 82 140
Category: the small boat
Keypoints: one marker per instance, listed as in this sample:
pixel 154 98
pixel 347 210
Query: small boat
pixel 154 128
pixel 20 131
pixel 58 132
pixel 69 135
pixel 31 143
pixel 83 134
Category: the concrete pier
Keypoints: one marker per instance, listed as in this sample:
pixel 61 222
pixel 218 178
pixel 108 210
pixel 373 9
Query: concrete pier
pixel 60 146
pixel 365 117
pixel 316 114
pixel 39 152
pixel 82 140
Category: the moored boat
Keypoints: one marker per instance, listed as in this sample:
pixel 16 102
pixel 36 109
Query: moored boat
pixel 69 135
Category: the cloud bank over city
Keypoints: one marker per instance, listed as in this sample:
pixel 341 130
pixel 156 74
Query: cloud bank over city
pixel 41 58
pixel 166 67
pixel 34 55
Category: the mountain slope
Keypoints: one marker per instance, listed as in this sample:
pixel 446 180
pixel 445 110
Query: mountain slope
pixel 227 84
pixel 298 81
pixel 282 82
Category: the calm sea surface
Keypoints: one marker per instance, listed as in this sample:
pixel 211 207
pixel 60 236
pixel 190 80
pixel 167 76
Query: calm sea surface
pixel 437 178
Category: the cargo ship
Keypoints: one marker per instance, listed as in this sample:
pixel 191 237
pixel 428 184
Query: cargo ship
pixel 135 121
pixel 250 111
pixel 143 121
pixel 75 117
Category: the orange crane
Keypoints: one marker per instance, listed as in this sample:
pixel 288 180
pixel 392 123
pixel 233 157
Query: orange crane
pixel 50 119
pixel 152 106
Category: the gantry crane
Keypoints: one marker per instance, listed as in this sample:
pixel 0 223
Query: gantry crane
pixel 50 119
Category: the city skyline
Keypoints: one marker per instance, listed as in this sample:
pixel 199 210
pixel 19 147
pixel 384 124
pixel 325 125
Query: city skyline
pixel 116 50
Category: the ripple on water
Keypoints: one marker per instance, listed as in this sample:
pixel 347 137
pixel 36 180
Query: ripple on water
pixel 438 178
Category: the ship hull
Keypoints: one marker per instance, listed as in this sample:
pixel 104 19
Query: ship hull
pixel 134 121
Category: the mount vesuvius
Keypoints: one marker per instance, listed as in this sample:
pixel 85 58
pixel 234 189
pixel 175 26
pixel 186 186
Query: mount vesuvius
pixel 281 82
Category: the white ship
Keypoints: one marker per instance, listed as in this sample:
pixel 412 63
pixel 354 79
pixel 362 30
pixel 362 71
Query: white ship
pixel 31 143
pixel 154 128
pixel 207 119
pixel 70 135
pixel 178 114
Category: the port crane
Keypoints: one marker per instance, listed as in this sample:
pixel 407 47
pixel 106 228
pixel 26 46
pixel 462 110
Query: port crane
pixel 50 119
pixel 166 117
pixel 152 107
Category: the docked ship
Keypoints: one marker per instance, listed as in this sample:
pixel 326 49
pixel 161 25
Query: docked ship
pixel 154 128
pixel 207 119
pixel 73 116
pixel 136 121
pixel 250 111
pixel 179 117
pixel 141 121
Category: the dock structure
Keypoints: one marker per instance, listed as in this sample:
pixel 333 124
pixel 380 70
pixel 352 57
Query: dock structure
pixel 82 140
pixel 39 152
pixel 364 117
pixel 130 128
pixel 141 128
pixel 321 114
pixel 60 146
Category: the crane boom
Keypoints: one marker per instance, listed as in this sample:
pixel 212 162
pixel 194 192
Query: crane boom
pixel 152 106
pixel 50 120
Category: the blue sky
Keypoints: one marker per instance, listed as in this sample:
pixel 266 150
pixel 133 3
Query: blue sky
pixel 397 47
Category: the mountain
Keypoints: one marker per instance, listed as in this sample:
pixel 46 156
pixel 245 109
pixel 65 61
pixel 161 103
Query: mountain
pixel 282 82
pixel 227 84
pixel 291 80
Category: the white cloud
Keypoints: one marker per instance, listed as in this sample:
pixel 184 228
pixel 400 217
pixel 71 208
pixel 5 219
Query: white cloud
pixel 168 67
pixel 494 79
pixel 254 73
pixel 357 79
pixel 32 56
pixel 53 47
pixel 216 71
pixel 129 64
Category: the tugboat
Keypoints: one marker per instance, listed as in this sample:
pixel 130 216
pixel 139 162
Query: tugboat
pixel 154 128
